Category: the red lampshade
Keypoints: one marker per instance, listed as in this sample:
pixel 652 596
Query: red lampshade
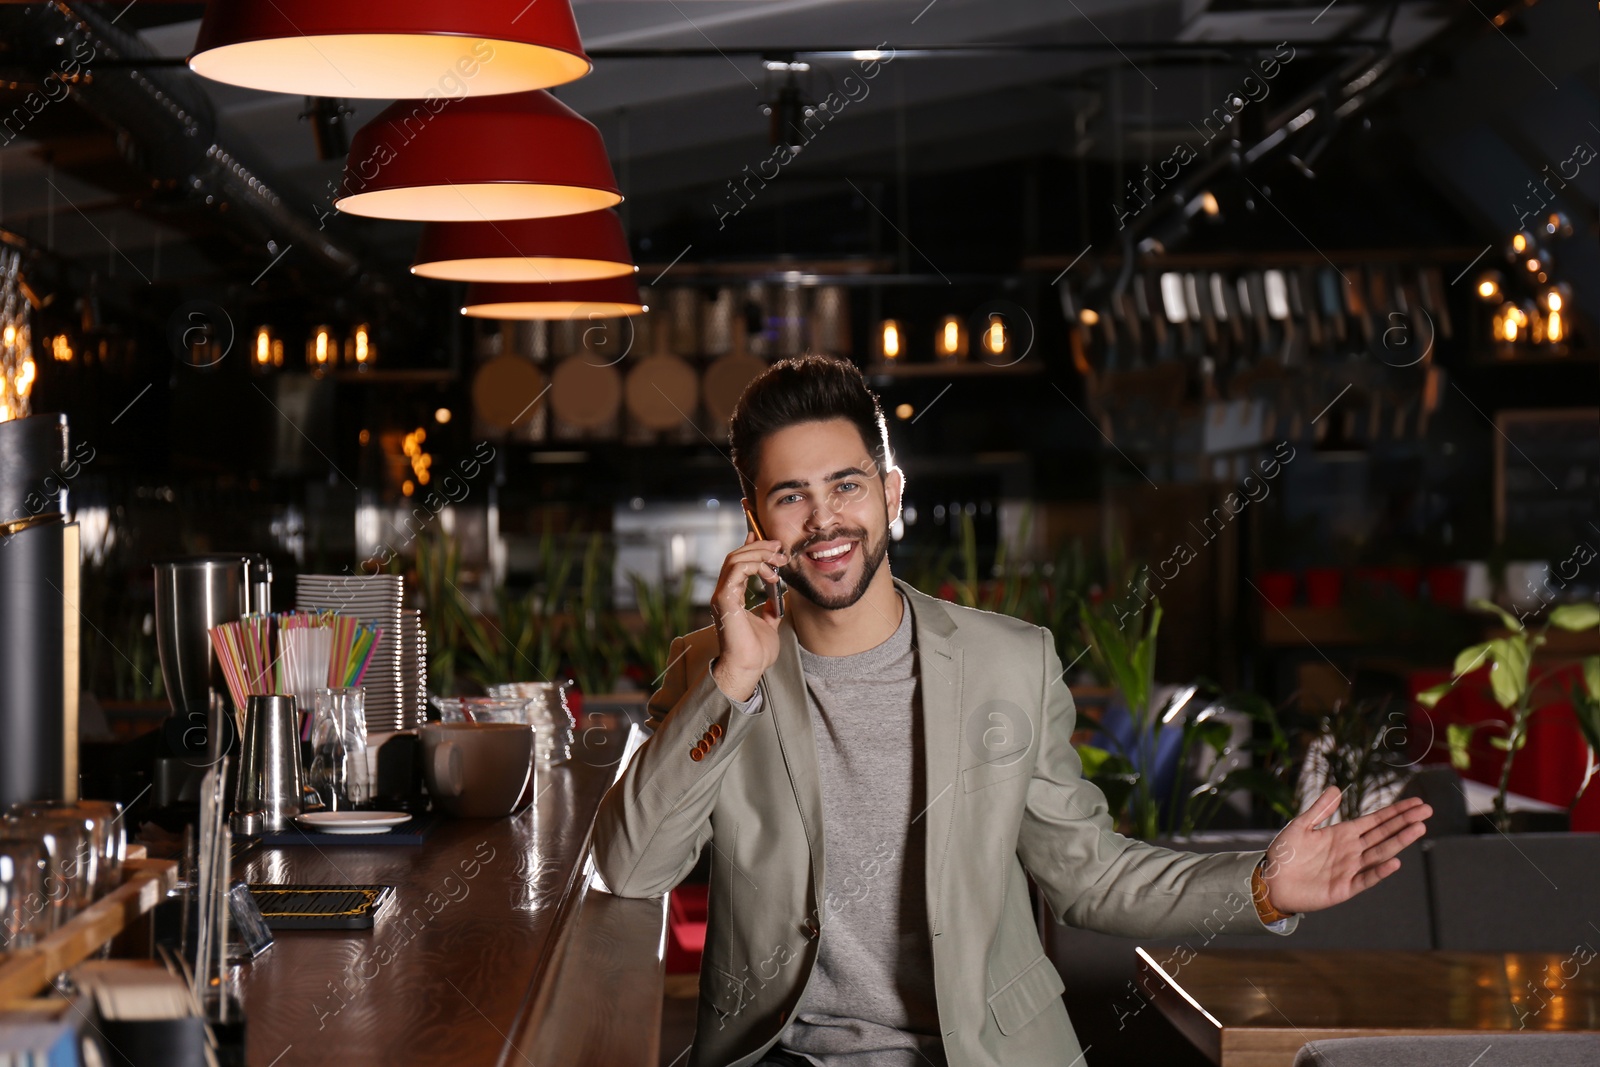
pixel 384 49
pixel 605 299
pixel 567 248
pixel 518 156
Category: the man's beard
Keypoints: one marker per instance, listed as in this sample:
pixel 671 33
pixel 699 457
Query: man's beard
pixel 872 557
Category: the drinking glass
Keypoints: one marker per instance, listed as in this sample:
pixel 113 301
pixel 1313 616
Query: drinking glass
pixel 339 747
pixel 71 862
pixel 24 912
pixel 549 714
pixel 108 835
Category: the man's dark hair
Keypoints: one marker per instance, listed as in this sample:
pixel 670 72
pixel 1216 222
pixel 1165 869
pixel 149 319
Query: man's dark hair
pixel 804 389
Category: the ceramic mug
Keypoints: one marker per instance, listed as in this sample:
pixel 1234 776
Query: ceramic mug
pixel 476 770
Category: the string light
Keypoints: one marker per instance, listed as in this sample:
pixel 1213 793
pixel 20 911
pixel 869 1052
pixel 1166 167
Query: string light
pixel 17 369
pixel 411 445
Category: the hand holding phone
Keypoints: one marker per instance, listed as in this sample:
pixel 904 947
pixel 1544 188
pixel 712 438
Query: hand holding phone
pixel 748 639
pixel 774 589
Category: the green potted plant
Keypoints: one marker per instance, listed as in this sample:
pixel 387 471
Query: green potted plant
pixel 595 642
pixel 1128 662
pixel 666 611
pixel 1510 662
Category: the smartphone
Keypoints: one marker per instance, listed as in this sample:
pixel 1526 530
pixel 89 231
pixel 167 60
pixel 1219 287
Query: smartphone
pixel 774 589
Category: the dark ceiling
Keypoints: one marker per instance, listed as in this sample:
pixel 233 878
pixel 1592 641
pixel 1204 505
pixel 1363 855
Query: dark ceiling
pixel 970 160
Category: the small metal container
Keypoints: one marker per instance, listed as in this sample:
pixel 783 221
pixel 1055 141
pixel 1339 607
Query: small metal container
pixel 270 788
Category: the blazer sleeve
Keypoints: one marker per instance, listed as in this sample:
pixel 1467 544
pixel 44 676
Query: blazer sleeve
pixel 1094 877
pixel 655 818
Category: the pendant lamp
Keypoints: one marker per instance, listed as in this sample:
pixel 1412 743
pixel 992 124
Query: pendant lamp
pixel 517 156
pixel 388 49
pixel 605 299
pixel 567 248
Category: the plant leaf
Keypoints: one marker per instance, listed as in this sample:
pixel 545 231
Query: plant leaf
pixel 1470 658
pixel 1430 696
pixel 1093 758
pixel 1509 675
pixel 1458 737
pixel 1591 676
pixel 1215 733
pixel 1509 621
pixel 1576 616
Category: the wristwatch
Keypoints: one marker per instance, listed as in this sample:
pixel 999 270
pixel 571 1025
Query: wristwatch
pixel 1258 892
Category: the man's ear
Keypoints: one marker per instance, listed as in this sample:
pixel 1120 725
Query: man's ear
pixel 894 484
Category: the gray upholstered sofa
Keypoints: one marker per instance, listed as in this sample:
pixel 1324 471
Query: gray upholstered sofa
pixel 1490 1050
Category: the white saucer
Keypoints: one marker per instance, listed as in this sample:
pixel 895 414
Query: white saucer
pixel 351 822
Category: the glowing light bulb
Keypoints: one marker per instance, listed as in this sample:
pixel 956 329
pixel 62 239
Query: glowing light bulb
pixel 1552 326
pixel 1089 316
pixel 891 339
pixel 903 411
pixel 1519 243
pixel 441 416
pixel 263 347
pixel 1487 289
pixel 10 335
pixel 1553 301
pixel 994 338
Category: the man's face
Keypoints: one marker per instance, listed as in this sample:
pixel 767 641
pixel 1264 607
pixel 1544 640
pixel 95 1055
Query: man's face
pixel 819 492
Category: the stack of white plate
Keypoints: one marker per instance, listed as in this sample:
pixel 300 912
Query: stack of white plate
pixel 396 678
pixel 413 669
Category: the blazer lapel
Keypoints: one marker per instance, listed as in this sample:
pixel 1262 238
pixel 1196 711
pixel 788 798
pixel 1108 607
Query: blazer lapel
pixel 791 717
pixel 939 664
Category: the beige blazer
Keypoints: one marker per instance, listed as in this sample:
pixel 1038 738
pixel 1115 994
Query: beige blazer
pixel 1008 796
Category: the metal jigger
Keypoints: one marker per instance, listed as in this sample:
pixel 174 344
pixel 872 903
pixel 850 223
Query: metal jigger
pixel 270 789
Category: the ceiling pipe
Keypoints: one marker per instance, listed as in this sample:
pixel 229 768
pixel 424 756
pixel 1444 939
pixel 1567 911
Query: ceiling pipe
pixel 166 127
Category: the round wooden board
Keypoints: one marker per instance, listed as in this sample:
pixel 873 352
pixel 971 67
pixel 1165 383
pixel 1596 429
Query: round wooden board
pixel 725 381
pixel 505 390
pixel 662 392
pixel 584 393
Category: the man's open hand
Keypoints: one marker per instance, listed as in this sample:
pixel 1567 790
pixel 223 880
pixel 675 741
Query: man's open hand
pixel 1309 869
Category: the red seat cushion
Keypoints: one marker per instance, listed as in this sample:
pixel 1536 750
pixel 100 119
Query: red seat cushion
pixel 686 928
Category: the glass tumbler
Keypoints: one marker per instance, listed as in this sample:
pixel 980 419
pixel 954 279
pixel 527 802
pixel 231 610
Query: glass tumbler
pixel 24 911
pixel 108 835
pixel 339 748
pixel 71 863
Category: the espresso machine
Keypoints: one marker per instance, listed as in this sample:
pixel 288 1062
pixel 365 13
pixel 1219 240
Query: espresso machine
pixel 39 627
pixel 193 594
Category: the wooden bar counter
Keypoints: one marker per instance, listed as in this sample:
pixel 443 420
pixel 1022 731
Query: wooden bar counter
pixel 493 932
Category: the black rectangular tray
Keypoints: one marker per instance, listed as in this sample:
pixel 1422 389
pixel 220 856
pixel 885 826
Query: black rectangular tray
pixel 320 907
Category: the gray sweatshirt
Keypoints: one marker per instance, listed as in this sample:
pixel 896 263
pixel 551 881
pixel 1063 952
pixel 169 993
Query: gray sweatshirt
pixel 870 999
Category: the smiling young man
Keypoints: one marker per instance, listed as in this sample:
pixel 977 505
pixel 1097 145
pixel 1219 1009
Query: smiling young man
pixel 876 770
